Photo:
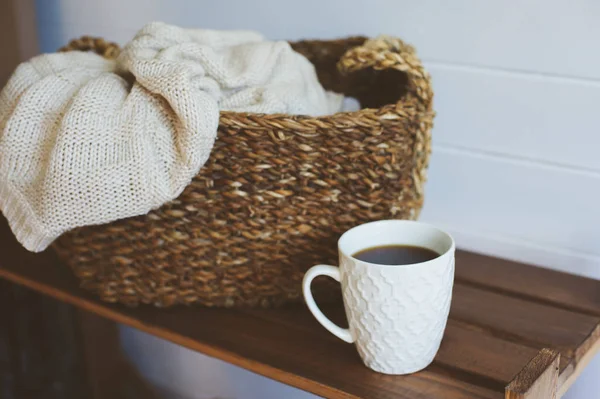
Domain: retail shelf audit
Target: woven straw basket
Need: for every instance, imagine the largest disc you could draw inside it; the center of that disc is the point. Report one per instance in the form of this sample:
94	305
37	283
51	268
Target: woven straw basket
277	191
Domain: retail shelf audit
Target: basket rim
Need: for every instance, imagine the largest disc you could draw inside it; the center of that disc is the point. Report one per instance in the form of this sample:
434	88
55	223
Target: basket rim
381	53
305	123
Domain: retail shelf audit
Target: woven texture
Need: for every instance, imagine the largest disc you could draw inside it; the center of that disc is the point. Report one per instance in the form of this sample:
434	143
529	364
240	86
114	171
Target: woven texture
276	192
85	140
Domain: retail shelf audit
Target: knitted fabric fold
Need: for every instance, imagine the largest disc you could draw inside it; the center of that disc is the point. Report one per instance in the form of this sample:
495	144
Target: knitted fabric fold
82	142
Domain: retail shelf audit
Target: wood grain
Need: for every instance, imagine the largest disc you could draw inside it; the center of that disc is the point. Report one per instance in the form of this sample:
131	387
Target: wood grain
531	323
537	380
285	353
480	354
473	355
289	355
531	283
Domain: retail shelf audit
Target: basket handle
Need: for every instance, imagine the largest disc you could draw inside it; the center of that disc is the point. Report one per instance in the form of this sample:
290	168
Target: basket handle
98	45
386	52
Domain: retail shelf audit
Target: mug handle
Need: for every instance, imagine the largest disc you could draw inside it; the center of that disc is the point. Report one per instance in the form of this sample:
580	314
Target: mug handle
333	272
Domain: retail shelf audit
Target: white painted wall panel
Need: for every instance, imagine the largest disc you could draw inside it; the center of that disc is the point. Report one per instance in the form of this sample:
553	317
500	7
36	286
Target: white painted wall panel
548	37
551	120
548	205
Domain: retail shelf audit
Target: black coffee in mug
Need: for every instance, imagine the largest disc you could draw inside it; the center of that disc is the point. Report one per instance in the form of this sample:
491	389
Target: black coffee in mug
396	255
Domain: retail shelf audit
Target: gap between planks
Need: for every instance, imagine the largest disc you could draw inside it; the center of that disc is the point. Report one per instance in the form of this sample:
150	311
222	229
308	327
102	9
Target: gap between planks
462	371
461	375
589	343
473	307
528	323
566	355
526	297
536	284
272	371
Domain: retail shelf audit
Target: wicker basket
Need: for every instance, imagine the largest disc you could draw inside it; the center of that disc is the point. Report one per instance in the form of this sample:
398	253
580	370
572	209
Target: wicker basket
277	191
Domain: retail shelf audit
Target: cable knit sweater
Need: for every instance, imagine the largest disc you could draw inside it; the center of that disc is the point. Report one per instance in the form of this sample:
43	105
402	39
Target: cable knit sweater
81	142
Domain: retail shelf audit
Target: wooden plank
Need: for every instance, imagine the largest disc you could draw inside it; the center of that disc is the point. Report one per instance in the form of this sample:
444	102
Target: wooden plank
289	346
536	324
489	358
288	355
471	355
538	380
284	353
554	288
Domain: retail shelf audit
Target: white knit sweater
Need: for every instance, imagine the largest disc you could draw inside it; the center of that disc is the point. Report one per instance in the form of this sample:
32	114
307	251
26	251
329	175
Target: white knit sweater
80	144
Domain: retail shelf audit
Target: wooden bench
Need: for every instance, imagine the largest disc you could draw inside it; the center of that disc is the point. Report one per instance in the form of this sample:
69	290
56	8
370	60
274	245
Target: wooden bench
515	331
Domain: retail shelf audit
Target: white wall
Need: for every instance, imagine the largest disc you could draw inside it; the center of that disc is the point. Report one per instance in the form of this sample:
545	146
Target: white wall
515	170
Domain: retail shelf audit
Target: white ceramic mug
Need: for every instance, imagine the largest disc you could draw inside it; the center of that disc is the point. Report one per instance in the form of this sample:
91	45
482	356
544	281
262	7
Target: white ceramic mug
396	314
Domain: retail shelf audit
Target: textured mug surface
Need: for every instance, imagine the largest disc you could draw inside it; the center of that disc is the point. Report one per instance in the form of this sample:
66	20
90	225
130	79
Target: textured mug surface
396	314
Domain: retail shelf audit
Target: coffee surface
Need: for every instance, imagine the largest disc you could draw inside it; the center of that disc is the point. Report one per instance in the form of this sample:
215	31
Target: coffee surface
396	255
